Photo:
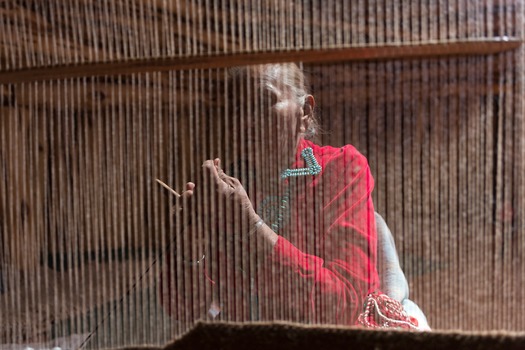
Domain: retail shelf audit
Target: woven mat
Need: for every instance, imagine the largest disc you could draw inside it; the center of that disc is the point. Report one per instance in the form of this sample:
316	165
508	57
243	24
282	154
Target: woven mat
277	336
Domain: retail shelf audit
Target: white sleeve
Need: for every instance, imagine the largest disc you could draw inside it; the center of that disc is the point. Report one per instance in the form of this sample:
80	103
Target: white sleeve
393	280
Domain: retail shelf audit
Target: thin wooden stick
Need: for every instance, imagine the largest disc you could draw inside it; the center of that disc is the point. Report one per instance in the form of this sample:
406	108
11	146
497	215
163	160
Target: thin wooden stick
168	188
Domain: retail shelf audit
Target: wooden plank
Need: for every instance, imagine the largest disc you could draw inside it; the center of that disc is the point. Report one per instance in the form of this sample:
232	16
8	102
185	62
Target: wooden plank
330	55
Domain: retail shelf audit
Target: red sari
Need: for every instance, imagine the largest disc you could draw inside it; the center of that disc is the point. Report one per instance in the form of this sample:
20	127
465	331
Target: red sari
328	259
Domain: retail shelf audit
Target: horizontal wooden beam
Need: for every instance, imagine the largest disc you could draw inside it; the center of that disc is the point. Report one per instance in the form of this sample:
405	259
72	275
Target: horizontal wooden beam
367	52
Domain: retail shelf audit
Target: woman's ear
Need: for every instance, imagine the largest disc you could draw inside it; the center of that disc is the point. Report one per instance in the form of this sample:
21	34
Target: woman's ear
309	105
308	112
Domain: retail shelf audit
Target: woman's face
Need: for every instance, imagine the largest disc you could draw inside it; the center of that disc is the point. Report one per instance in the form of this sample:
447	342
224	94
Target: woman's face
274	124
266	119
284	115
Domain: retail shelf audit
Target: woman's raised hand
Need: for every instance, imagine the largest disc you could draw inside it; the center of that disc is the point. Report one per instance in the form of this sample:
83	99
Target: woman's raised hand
231	195
218	198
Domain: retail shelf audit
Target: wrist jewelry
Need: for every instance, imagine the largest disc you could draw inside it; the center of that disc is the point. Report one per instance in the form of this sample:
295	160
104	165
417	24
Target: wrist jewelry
256	226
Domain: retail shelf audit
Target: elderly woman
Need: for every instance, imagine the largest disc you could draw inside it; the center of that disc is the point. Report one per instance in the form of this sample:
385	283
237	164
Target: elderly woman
291	231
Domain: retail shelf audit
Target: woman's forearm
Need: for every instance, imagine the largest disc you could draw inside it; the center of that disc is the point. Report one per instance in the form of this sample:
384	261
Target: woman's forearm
267	236
263	232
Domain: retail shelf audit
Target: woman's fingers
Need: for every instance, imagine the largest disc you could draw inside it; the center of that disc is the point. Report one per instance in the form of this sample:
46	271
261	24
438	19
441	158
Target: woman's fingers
190	186
228	180
220	172
211	170
216	174
181	200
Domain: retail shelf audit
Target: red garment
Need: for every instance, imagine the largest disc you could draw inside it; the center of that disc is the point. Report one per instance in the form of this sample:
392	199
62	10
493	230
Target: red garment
324	263
329	257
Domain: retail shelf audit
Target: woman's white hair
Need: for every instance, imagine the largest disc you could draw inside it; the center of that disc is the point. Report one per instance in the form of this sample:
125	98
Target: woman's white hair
290	76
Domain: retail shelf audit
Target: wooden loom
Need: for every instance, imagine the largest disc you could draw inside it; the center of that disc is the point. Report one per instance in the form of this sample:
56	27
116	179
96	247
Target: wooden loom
95	98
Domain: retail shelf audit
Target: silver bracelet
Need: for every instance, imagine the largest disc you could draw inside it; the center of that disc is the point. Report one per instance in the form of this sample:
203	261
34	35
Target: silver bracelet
256	226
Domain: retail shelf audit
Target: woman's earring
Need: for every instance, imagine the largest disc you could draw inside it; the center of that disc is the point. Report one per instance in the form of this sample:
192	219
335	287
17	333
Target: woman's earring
302	129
